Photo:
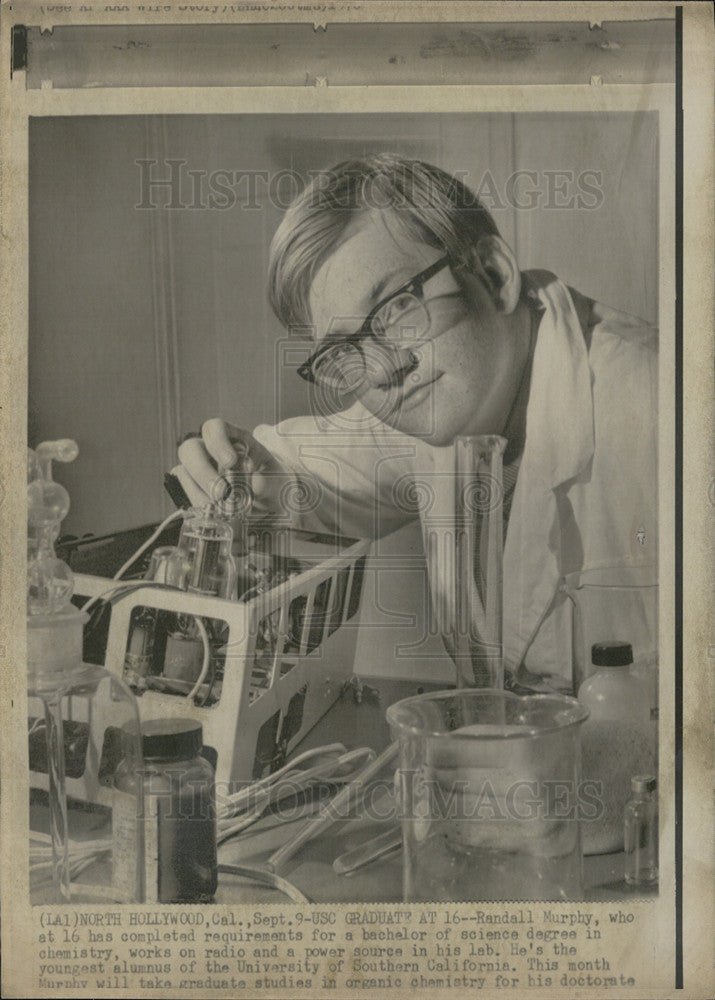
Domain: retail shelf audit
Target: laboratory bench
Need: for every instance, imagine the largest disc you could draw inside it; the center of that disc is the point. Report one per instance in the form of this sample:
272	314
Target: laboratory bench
358	719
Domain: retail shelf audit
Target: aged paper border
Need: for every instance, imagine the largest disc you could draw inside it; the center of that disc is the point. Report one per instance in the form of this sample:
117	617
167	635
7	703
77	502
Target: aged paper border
699	493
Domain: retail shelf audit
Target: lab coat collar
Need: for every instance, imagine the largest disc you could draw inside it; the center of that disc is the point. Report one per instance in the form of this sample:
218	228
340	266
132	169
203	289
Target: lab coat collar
559	446
559	422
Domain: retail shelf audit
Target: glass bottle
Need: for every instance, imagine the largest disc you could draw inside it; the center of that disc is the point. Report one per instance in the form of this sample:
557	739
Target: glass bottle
640	833
616	741
178	825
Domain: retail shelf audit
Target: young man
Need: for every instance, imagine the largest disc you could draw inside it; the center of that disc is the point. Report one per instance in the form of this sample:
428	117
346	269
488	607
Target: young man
427	330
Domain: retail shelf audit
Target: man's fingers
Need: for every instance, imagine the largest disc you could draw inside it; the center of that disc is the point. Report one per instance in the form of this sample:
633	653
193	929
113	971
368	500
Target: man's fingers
259	458
223	446
194	492
226	444
195	459
219	438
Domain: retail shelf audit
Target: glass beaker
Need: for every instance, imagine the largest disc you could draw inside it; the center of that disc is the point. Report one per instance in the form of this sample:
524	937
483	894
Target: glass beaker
490	796
463	542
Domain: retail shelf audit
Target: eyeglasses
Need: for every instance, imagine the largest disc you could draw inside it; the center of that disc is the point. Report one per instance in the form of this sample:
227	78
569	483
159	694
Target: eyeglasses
339	363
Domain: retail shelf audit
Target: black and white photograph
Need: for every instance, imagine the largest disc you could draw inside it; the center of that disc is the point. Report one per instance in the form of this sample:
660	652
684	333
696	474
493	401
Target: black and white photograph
354	510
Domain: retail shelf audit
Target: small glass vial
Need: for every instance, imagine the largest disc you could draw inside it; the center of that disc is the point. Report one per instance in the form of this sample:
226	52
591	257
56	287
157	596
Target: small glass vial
641	832
178	822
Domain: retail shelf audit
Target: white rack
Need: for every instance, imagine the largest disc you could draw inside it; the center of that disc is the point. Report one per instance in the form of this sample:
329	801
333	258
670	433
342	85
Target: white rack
289	653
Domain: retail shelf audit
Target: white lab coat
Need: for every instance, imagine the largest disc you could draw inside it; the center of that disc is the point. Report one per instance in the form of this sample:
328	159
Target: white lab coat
586	494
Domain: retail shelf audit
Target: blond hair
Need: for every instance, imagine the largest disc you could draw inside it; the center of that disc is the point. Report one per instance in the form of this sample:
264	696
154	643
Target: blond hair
430	205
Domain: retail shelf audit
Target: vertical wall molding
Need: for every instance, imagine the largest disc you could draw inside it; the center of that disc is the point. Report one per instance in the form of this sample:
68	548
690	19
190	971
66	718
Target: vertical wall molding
166	348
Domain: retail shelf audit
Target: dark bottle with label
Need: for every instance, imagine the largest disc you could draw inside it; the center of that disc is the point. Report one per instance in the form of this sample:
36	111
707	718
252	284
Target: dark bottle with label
178	825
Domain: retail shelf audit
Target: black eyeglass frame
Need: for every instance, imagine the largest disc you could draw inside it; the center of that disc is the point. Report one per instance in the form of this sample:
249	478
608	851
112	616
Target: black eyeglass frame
414	287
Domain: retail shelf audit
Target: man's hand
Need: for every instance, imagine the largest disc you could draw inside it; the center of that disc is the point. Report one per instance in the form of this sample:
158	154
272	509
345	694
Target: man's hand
222	446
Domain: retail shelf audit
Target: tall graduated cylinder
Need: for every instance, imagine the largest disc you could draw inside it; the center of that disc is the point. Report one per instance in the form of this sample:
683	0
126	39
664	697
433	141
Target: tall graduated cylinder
462	526
490	796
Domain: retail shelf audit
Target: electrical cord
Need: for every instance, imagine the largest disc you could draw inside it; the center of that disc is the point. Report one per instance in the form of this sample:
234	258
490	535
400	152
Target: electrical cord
116	592
206	660
150	541
132	559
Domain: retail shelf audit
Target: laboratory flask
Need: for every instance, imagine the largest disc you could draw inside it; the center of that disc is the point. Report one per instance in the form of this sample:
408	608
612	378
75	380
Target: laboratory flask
74	711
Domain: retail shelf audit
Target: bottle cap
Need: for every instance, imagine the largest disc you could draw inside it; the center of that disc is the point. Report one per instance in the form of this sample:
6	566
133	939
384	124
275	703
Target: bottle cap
167	738
642	783
611	654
